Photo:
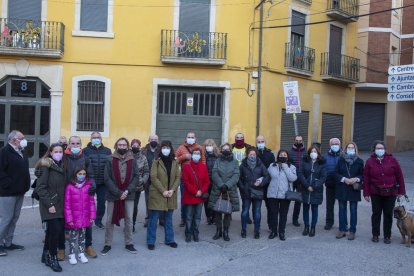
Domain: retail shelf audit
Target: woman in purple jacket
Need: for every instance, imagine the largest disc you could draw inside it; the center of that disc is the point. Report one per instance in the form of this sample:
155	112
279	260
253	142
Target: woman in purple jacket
383	182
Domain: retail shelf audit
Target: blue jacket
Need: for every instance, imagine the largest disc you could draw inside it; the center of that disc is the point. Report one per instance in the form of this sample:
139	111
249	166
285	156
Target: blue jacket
343	191
331	159
312	175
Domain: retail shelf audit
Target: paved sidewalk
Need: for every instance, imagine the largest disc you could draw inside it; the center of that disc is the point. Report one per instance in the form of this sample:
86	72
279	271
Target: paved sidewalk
298	255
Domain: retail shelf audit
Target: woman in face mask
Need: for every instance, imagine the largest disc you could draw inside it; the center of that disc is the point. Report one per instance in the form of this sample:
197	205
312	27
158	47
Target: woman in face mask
165	180
383	182
282	175
254	177
197	182
211	152
50	188
143	175
349	176
312	176
225	176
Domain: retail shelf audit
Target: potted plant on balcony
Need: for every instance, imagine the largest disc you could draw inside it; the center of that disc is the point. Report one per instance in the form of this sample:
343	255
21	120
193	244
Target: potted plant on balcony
30	36
195	43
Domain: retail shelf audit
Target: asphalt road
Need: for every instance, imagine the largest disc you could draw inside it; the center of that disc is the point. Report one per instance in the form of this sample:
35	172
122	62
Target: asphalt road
298	255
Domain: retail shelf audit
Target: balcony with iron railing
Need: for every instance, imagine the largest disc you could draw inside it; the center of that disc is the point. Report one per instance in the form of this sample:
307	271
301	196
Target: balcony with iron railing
20	37
207	48
343	10
299	59
339	68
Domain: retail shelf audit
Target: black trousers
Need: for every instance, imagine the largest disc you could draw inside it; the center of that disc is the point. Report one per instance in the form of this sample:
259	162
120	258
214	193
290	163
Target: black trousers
278	210
296	208
220	221
54	232
330	205
382	205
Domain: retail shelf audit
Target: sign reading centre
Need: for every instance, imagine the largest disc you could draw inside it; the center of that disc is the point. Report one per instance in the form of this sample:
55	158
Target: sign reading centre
401	69
292	101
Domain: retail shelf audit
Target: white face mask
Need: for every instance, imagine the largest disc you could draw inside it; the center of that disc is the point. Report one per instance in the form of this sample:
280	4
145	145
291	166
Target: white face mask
313	155
165	152
209	148
190	141
335	148
350	151
23	143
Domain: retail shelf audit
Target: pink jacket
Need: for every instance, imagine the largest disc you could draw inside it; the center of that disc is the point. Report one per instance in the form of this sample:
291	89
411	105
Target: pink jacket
79	206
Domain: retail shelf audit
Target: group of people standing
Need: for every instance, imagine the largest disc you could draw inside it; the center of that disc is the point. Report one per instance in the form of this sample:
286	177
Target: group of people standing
68	177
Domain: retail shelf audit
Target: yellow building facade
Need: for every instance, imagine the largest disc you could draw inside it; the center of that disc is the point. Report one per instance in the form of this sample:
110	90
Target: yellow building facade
142	69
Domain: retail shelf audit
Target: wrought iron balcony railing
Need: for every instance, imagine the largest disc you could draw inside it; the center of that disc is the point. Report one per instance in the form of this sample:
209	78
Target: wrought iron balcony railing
31	38
343	10
339	68
299	59
193	47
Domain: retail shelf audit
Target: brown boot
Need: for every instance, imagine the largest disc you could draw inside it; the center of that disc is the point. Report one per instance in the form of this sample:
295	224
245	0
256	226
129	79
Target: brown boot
90	252
351	236
61	255
340	235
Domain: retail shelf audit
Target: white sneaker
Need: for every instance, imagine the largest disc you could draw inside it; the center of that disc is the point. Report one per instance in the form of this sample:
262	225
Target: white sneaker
83	258
72	259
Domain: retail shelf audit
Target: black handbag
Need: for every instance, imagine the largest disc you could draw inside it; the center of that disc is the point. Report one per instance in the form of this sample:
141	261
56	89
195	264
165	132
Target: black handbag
223	205
293	196
256	193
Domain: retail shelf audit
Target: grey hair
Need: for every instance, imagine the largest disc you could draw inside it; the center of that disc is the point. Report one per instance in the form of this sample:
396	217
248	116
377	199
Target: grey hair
74	136
12	135
95	132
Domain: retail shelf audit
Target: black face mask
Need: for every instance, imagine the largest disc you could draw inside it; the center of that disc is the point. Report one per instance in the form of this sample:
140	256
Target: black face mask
122	151
226	153
298	145
64	146
282	159
135	150
153	144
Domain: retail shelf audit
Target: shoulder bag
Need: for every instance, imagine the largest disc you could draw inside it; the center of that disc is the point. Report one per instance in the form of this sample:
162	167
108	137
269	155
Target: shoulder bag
223	205
204	195
292	195
357	186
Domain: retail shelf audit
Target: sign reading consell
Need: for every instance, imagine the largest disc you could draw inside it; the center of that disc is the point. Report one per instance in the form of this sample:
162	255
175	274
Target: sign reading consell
292	100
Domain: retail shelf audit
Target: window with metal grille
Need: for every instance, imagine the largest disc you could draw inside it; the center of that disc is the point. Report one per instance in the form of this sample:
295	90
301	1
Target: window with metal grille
91	103
207	104
172	102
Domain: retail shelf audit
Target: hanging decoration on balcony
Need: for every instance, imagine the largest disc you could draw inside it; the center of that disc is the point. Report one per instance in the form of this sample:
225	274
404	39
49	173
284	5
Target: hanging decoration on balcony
185	44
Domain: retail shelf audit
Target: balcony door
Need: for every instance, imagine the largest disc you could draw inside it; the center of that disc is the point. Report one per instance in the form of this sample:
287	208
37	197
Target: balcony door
335	50
194	28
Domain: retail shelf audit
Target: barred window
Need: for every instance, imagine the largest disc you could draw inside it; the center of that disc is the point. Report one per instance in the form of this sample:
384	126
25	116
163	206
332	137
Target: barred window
91	106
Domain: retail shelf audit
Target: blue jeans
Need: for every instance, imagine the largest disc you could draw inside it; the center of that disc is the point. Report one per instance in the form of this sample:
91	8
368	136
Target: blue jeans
192	222
183	217
257	214
100	202
152	226
306	208
343	220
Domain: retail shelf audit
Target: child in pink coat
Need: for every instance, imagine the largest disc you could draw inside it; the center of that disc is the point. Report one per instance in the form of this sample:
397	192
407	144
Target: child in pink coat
80	212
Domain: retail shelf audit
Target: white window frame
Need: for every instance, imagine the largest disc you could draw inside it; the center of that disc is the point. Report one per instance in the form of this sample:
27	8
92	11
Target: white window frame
109	30
5	9
74	114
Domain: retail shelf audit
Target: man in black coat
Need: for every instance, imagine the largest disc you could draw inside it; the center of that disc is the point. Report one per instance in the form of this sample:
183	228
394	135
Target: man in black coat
14	183
98	154
267	157
296	154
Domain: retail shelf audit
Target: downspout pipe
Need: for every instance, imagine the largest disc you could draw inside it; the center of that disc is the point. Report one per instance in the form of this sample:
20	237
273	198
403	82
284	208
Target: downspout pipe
259	70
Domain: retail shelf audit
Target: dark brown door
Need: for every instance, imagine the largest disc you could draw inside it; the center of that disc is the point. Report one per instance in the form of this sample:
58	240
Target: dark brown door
335	46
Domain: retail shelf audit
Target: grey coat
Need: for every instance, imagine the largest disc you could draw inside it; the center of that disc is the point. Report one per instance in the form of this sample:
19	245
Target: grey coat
225	172
281	176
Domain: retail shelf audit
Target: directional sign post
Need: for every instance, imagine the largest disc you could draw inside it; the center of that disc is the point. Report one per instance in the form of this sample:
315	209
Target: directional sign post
401	83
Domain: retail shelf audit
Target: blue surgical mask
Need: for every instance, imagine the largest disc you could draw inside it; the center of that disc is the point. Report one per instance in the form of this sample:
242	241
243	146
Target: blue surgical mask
80	178
261	146
196	157
96	141
350	151
75	150
335	148
379	152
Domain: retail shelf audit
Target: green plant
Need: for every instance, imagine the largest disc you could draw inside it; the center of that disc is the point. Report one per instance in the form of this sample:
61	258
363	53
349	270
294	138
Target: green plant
195	43
30	32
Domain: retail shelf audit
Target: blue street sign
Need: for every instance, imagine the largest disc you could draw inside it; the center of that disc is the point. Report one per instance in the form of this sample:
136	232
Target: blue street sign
401	97
403	87
394	79
401	69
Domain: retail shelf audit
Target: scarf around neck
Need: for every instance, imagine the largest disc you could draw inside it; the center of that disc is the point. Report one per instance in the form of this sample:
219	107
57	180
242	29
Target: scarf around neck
350	159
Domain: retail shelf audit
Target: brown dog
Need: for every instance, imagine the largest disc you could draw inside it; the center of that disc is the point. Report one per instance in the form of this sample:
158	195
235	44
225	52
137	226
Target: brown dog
405	223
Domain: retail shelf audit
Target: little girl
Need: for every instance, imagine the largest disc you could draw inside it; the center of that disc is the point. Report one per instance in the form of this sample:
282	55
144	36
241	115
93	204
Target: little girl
80	212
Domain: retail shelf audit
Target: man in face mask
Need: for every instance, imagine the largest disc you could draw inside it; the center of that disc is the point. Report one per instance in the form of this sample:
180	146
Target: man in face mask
296	154
331	157
98	154
183	155
239	147
14	183
75	158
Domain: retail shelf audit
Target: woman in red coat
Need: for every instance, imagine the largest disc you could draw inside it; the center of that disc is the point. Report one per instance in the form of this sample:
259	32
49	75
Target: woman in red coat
383	182
195	177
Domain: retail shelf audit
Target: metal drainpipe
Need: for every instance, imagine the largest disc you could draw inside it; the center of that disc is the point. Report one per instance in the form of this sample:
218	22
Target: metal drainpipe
259	78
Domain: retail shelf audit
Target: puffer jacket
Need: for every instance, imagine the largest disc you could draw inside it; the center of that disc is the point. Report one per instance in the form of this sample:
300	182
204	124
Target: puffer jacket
331	161
281	176
249	176
97	157
266	156
51	189
225	172
312	175
80	207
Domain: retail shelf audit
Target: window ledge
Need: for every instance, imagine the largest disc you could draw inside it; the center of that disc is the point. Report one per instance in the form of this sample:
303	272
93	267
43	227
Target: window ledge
92	34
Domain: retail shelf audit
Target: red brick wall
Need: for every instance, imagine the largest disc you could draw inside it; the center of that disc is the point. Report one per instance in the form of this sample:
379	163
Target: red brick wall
408	18
406	51
381	19
378	43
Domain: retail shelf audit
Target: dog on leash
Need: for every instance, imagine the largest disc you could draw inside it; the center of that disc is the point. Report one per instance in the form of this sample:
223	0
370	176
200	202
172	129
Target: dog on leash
405	224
